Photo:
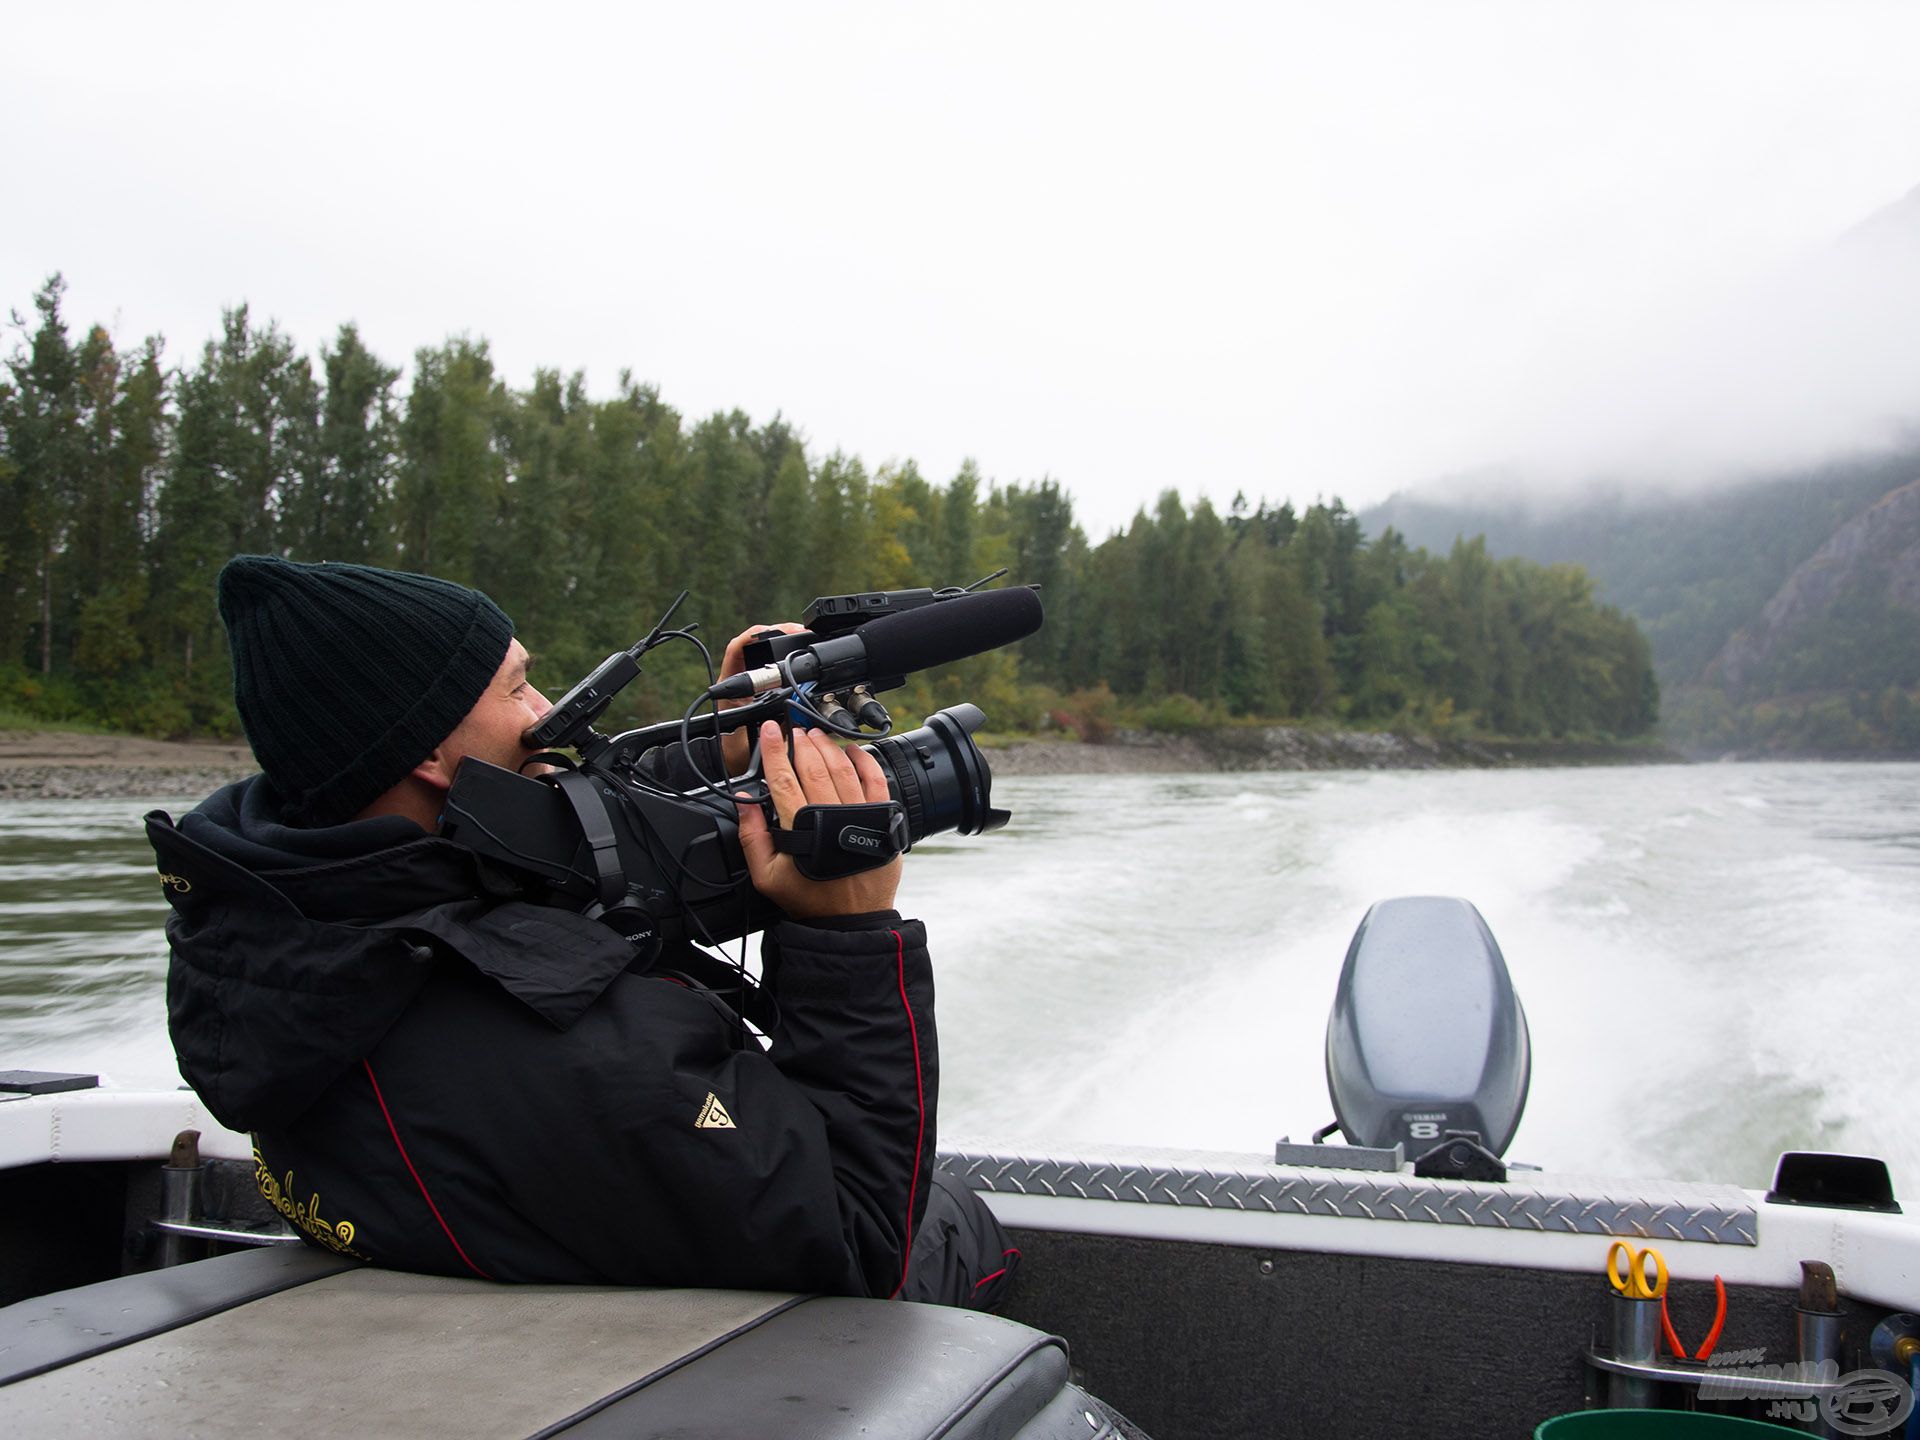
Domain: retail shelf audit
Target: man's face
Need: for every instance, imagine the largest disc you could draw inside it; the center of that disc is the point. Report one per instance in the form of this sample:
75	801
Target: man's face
492	729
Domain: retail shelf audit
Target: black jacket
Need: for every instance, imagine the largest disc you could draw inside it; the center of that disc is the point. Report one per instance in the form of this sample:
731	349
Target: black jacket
442	1079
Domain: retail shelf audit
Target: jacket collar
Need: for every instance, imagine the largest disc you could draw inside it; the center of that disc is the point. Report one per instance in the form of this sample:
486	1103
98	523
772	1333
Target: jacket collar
386	873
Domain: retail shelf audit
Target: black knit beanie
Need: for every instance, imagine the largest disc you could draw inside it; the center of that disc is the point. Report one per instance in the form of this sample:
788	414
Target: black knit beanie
347	677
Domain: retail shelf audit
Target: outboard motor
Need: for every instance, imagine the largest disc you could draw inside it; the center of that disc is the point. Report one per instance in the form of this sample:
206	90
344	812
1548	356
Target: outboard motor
1427	1036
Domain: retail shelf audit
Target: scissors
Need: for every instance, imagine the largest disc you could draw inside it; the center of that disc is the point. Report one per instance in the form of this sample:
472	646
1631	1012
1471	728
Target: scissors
1629	1274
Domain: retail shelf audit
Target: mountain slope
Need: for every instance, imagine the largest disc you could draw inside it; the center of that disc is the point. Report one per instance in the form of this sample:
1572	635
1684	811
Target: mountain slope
1782	614
1847	618
1693	570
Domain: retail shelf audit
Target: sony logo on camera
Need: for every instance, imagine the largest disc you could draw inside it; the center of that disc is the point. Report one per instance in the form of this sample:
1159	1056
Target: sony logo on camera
869	840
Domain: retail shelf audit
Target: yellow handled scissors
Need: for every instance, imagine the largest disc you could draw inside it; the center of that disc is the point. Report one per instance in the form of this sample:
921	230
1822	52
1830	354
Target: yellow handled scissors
1628	1273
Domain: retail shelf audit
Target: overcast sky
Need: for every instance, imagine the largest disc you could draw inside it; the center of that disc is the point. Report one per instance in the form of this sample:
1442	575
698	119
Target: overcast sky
1290	249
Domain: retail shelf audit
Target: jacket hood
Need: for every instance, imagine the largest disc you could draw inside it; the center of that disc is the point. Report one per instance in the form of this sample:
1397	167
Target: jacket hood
294	950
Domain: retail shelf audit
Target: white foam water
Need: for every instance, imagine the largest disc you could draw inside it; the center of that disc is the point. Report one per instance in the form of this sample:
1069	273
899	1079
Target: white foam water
1716	961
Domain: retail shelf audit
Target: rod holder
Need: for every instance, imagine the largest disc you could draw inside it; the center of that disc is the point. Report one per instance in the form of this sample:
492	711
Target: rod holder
182	1183
1636	1341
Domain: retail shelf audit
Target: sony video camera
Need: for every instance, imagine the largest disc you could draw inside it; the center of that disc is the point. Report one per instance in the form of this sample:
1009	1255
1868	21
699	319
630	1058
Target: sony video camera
642	830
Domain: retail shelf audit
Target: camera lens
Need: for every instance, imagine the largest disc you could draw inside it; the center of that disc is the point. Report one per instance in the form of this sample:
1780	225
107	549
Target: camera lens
939	775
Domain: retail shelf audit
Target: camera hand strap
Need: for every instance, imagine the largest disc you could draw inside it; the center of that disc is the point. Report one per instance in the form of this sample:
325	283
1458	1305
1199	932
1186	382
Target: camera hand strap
828	841
583	794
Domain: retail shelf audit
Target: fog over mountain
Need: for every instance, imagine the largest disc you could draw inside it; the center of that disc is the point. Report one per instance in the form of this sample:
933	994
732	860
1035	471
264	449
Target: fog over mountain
1817	361
1746	485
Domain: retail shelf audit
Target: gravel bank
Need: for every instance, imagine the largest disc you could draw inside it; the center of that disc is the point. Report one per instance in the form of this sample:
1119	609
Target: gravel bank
46	764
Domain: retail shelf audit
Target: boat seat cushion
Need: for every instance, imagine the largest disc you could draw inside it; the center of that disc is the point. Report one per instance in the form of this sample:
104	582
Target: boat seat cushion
58	1329
291	1339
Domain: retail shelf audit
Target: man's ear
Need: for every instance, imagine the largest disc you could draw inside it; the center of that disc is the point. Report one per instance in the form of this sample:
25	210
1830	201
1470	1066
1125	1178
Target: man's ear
437	769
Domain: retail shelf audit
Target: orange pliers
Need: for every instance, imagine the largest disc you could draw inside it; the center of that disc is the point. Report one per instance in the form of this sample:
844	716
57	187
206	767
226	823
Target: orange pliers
1713	1330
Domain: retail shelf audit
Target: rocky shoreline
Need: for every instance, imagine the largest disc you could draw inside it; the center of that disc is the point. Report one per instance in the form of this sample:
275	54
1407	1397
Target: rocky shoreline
86	782
56	765
52	764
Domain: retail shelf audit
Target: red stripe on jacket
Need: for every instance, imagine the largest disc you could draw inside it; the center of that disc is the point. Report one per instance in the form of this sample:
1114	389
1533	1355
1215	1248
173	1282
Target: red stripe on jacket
408	1159
920	1092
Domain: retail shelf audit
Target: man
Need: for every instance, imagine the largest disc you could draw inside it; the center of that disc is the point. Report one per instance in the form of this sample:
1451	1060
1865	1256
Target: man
442	1074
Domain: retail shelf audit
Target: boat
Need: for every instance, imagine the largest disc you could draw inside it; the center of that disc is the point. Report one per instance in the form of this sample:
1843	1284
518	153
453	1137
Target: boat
1411	1281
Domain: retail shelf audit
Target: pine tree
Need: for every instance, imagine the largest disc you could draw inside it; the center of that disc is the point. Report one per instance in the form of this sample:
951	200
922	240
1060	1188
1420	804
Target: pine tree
104	575
789	544
841	536
46	445
1047	550
194	534
344	516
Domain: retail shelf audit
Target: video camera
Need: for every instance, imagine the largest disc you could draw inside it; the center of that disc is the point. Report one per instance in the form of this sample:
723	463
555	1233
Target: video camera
642	831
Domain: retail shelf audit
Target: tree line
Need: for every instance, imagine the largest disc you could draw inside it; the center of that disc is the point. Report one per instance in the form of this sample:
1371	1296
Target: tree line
1695	570
127	483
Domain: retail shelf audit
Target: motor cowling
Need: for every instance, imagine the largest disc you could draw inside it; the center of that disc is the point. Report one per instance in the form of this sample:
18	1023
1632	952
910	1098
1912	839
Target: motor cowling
1427	1034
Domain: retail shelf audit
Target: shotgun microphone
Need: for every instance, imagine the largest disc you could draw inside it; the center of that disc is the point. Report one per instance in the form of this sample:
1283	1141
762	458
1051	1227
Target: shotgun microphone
897	645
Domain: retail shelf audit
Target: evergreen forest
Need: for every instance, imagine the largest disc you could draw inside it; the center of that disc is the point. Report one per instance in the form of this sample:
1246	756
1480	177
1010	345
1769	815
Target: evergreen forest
1697	571
126	482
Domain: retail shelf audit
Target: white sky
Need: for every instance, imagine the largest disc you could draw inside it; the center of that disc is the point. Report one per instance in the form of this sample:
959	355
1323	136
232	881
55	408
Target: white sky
1295	249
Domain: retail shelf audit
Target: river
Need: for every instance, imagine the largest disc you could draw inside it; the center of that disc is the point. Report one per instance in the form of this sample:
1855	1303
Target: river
1714	960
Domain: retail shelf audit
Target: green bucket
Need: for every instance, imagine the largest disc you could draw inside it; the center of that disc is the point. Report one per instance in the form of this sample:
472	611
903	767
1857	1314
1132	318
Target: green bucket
1655	1425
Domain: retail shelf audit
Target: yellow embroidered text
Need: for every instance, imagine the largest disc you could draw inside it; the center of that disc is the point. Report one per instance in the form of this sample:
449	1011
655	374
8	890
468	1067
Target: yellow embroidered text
336	1235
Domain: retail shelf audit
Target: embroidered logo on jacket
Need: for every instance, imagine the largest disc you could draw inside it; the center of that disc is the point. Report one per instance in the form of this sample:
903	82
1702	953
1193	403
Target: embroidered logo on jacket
336	1235
714	1116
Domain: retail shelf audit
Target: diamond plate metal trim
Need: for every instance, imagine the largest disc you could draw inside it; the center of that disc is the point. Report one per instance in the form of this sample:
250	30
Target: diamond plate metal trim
1713	1214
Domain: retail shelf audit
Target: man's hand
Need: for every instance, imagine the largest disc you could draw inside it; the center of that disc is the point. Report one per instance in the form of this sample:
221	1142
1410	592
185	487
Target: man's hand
821	773
734	749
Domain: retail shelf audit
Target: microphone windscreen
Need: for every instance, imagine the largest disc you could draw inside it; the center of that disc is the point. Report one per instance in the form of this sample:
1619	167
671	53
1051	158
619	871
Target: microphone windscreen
950	630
